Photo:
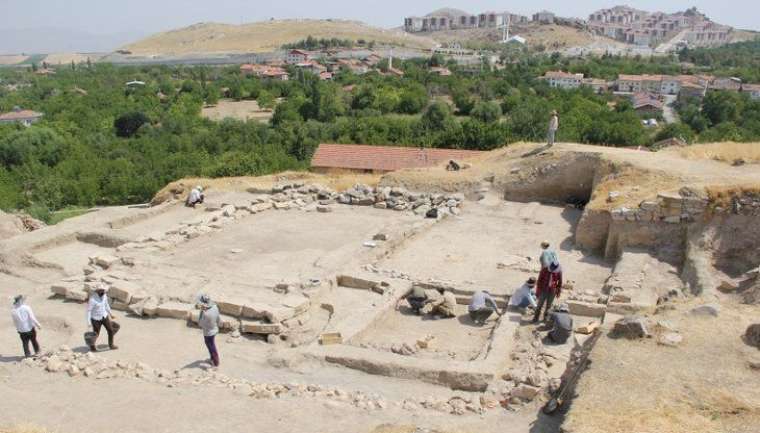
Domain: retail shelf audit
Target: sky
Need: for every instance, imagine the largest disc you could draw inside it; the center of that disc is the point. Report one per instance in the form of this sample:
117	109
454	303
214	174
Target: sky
134	18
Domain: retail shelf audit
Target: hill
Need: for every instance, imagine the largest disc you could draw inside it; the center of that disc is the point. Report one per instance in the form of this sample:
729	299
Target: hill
266	36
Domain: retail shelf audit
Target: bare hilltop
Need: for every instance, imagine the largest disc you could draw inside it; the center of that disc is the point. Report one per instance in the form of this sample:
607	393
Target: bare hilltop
266	36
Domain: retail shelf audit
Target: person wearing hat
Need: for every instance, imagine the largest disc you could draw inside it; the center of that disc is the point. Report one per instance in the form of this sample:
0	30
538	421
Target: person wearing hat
553	127
562	325
99	315
209	321
481	307
26	325
195	197
523	297
549	289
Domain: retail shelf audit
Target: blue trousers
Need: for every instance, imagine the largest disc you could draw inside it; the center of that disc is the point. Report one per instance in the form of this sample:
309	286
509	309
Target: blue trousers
211	346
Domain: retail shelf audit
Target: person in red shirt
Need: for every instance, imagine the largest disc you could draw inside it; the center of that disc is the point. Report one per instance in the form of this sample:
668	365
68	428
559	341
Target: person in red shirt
549	289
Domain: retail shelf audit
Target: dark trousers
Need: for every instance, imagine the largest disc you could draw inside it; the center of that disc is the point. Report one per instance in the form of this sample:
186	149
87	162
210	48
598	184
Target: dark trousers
545	298
26	338
106	323
416	303
211	346
481	315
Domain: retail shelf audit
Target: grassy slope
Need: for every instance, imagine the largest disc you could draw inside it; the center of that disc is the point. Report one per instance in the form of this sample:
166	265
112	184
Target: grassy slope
266	36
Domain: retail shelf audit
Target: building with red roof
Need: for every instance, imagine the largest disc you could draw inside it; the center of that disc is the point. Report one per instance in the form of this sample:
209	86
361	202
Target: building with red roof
381	159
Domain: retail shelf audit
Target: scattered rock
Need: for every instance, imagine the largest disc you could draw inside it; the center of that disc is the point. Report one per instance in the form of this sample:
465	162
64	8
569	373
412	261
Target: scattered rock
670	339
706	310
752	335
631	327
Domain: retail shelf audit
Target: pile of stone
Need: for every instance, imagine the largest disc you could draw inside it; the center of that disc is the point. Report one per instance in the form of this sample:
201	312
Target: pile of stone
400	199
536	372
91	366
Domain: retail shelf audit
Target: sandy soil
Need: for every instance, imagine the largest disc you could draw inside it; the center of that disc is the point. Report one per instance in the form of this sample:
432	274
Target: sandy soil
67	58
266	36
703	385
11	59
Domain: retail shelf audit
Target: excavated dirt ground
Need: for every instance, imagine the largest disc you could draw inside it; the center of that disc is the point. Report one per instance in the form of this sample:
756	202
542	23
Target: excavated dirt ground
307	270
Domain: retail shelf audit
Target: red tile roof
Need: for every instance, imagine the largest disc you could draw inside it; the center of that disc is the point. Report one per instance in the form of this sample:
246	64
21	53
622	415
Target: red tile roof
382	158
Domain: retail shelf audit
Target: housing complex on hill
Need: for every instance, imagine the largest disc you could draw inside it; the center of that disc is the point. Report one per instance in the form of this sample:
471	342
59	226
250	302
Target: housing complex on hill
639	27
449	19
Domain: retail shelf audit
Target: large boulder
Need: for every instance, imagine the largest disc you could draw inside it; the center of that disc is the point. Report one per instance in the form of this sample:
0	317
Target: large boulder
631	327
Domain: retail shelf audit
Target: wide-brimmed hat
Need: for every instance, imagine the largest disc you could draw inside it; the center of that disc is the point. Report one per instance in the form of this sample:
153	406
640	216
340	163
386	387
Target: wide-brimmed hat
545	244
531	281
101	287
199	188
563	308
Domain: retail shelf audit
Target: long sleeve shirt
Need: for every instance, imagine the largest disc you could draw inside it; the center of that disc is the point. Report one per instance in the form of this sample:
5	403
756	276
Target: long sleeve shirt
98	308
521	295
480	299
547	257
23	318
209	321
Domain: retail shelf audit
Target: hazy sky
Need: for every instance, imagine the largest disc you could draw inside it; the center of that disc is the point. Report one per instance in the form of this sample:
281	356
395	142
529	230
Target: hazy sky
146	16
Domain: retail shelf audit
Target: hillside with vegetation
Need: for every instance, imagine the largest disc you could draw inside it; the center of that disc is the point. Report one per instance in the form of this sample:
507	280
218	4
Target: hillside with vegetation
267	36
102	142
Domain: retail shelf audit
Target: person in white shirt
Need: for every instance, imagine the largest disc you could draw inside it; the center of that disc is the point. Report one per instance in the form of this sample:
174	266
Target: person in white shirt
99	315
524	297
209	321
26	325
195	197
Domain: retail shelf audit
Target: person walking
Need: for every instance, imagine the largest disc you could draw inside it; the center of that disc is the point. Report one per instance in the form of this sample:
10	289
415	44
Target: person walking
99	315
553	127
209	322
549	289
26	325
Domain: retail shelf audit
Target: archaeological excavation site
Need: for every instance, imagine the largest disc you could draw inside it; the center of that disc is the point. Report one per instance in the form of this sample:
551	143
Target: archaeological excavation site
311	273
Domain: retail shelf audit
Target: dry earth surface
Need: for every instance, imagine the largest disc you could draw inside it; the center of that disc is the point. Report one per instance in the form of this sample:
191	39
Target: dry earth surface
309	269
266	36
240	110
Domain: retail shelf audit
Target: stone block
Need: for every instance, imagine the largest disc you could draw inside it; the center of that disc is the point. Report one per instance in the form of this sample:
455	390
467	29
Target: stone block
587	328
106	261
330	338
119	306
230	308
706	310
262	328
60	289
279	314
77	296
174	310
260	207
586	309
356	282
525	392
631	327
324	209
122	291
255	310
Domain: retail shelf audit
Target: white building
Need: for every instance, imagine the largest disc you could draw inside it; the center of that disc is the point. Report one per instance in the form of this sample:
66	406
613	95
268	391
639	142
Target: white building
563	80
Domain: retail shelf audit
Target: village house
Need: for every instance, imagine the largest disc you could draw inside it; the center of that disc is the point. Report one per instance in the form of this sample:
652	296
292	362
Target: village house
692	90
726	83
24	117
646	104
336	158
544	17
597	84
753	90
295	57
441	72
563	80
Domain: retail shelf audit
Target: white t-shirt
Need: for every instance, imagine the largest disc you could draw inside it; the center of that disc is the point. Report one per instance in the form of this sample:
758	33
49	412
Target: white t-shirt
524	292
98	308
23	318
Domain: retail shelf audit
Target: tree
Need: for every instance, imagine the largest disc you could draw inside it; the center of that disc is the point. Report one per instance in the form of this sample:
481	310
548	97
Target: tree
463	101
486	112
679	130
266	100
437	116
127	124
